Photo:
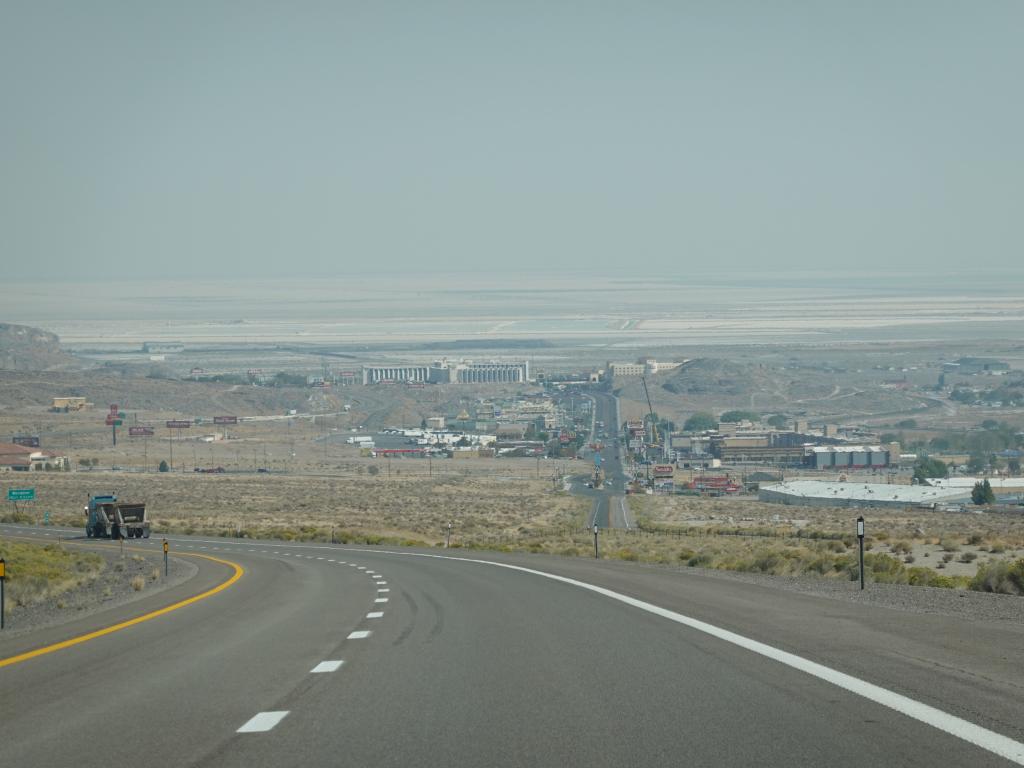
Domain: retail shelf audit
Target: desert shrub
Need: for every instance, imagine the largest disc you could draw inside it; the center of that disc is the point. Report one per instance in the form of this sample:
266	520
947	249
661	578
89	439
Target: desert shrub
1002	577
974	539
968	557
700	560
138	583
950	545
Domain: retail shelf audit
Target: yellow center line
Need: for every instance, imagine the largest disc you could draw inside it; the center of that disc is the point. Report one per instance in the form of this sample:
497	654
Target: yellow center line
239	571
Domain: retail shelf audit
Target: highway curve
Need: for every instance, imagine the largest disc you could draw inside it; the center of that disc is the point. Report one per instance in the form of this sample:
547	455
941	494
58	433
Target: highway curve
480	664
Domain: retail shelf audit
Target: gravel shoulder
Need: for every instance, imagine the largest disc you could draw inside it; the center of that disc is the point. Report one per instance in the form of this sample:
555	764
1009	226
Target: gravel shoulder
113	587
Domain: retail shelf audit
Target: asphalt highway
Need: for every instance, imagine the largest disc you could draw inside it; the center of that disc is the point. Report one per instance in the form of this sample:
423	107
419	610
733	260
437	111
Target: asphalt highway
335	655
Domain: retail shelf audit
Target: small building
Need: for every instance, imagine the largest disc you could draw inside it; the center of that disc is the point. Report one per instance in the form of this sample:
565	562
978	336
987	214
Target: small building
19	458
69	404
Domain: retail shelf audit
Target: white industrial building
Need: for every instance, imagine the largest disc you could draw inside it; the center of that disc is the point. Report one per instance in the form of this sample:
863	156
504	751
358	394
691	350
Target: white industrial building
819	493
443	372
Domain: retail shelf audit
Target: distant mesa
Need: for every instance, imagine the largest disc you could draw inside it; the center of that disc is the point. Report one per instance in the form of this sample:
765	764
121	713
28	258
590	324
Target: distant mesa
24	348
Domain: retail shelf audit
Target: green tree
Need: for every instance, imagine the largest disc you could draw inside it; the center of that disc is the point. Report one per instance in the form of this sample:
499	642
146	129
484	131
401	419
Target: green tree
888	437
164	467
778	421
982	493
928	467
1013	466
976	463
907	424
699	422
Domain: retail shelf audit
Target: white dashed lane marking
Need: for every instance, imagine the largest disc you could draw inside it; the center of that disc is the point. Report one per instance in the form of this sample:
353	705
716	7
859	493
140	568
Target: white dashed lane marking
374	614
359	634
381	600
383	590
382	582
264	721
327	666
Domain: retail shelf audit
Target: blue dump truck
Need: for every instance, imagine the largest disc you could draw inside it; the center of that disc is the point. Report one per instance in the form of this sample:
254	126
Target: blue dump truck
107	518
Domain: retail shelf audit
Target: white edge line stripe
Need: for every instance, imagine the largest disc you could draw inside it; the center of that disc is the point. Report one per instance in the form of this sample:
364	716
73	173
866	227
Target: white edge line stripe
264	721
994	742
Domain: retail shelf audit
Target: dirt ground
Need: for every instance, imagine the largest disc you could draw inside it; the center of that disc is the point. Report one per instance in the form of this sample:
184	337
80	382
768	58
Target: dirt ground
484	509
952	543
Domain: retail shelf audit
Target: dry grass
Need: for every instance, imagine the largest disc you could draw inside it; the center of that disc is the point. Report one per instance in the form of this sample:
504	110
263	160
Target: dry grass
485	511
955	545
37	572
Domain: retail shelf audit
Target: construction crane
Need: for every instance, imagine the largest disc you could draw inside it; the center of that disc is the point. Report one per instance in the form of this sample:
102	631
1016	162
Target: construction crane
654	426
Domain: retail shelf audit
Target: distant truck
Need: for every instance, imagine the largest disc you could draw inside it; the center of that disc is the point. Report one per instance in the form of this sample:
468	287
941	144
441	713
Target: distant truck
107	518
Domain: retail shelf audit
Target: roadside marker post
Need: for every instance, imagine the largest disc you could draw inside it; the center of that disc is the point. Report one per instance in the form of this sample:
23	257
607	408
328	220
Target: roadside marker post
448	536
860	539
597	554
166	547
3	578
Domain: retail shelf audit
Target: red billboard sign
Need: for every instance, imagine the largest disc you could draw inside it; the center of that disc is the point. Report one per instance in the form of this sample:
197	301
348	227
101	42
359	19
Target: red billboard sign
178	424
140	431
225	419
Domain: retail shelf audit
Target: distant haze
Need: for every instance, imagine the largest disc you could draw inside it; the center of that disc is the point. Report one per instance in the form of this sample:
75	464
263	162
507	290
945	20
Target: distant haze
190	139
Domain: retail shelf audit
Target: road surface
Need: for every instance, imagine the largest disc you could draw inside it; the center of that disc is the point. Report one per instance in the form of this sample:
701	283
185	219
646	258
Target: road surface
335	655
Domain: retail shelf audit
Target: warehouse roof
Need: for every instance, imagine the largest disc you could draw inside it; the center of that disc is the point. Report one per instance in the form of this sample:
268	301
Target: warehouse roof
883	492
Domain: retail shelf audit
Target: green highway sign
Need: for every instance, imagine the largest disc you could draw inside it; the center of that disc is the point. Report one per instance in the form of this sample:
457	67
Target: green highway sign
21	494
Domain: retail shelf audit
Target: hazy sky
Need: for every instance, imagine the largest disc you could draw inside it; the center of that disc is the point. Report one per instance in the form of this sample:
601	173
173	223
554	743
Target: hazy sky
185	139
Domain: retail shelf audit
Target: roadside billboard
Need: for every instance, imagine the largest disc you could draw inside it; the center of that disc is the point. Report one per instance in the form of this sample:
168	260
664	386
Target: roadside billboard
178	424
140	431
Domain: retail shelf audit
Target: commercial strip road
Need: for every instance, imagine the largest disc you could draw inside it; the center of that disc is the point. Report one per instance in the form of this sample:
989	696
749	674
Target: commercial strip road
334	655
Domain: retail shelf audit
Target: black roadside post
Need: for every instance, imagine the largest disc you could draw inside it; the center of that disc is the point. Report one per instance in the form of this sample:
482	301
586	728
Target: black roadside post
448	536
166	547
3	578
597	554
860	538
